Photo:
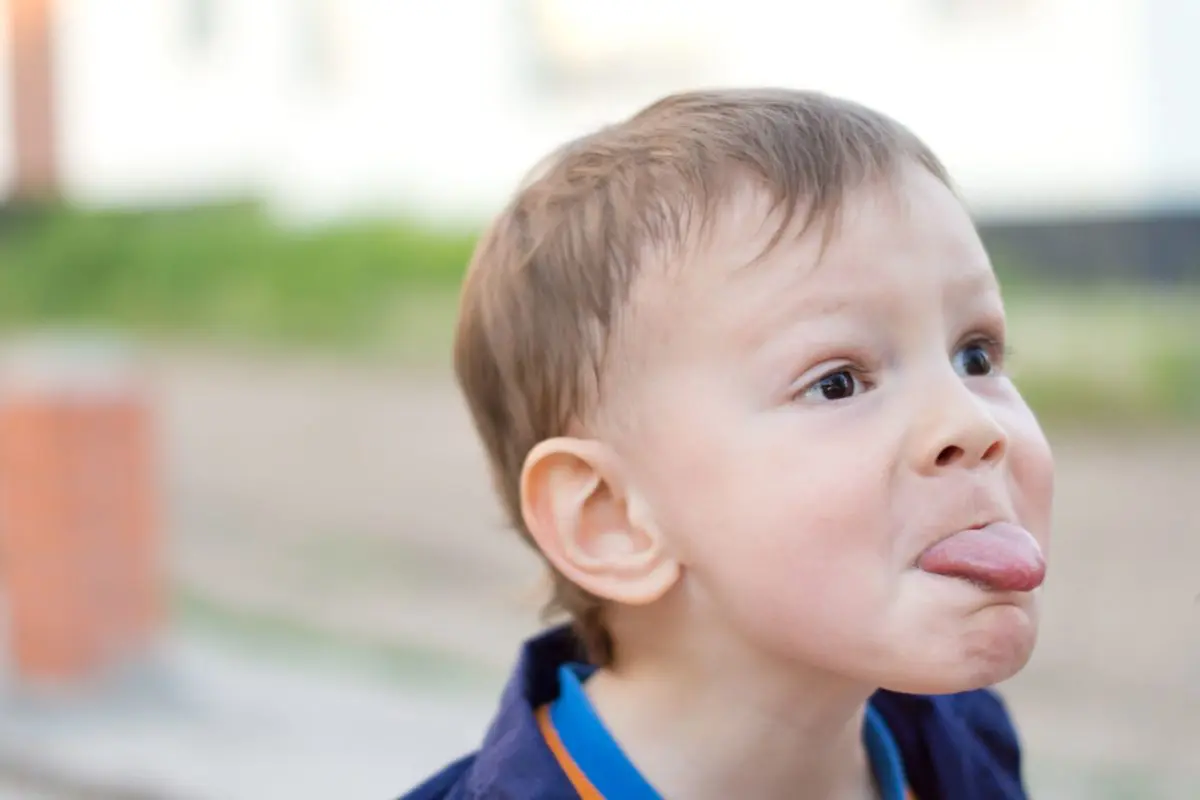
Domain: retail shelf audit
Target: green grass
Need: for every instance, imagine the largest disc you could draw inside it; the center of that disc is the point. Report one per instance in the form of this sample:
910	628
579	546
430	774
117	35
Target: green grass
1109	356
223	273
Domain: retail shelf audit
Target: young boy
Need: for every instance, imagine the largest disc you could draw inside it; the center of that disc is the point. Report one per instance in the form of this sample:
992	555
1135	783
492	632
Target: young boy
738	363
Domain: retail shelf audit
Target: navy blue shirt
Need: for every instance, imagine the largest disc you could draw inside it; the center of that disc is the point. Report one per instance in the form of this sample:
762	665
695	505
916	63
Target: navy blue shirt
952	747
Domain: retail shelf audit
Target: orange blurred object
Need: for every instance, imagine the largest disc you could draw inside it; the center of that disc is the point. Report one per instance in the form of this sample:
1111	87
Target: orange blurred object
78	518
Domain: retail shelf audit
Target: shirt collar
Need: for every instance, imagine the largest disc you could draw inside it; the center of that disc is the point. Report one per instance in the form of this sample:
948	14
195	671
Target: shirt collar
601	759
589	744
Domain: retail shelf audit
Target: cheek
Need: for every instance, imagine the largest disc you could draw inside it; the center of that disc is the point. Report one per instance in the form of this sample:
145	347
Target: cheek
1032	475
779	536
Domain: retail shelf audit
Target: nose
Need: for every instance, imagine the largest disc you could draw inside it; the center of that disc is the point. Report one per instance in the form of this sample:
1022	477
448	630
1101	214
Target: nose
957	431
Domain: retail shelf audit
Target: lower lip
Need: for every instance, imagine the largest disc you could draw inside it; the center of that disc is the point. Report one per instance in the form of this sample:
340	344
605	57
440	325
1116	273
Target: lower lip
996	596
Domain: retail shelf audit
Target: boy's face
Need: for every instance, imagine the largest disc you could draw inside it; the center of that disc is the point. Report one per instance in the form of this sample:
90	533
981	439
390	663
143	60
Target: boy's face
804	431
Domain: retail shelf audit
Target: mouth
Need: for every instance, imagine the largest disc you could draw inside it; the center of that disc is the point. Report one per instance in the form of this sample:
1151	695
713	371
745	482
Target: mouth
998	556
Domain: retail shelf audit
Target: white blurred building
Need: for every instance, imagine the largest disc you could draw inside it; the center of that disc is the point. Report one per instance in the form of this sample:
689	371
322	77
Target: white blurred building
327	107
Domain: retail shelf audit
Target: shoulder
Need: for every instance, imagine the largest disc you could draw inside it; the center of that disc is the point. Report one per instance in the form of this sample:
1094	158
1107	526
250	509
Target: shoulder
445	785
513	761
960	745
481	776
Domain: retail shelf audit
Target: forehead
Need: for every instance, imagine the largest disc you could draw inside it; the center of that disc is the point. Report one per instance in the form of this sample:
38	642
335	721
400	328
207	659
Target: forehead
905	237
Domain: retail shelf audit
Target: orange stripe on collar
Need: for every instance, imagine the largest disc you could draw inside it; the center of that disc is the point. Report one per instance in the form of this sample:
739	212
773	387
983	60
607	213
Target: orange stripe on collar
583	787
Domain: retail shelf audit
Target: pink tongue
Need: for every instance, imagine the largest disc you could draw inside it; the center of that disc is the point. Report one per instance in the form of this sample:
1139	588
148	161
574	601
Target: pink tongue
1000	556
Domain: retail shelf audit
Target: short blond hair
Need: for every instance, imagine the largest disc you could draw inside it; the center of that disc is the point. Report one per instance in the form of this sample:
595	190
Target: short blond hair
549	277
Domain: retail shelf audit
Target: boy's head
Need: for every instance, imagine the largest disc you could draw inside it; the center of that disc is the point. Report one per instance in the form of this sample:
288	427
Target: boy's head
737	363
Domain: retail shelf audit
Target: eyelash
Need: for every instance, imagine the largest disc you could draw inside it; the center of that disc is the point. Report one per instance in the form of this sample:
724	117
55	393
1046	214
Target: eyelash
998	350
998	353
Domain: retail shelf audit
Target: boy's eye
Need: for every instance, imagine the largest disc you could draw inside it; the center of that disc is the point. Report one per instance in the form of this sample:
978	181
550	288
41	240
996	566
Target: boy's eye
973	361
838	385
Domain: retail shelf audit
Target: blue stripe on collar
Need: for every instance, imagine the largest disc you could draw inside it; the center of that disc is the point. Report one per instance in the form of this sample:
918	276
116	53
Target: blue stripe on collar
884	756
591	746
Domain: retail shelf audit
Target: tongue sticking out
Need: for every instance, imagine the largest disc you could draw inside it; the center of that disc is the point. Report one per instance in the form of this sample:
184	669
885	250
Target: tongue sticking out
999	556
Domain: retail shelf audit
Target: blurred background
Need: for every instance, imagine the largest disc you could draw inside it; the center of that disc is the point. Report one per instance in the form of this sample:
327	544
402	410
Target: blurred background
248	547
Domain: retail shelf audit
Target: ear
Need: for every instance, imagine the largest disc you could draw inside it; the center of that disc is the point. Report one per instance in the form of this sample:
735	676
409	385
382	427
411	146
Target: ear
590	524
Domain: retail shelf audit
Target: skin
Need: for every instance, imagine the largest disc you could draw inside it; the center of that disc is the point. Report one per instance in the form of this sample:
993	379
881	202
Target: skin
796	431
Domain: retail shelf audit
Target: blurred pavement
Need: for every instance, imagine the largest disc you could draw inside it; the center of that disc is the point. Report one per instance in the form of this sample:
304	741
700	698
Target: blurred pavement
210	722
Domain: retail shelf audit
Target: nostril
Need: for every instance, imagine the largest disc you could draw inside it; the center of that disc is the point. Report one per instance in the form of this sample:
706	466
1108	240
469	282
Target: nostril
949	455
994	452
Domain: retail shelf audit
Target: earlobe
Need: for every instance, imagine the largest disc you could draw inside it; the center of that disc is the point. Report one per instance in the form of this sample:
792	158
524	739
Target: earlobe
591	525
659	570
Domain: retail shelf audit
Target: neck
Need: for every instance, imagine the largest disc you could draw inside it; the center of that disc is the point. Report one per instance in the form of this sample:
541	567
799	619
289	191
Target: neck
698	732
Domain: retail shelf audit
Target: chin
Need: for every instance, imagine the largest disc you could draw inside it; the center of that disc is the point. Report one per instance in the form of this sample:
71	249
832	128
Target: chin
996	646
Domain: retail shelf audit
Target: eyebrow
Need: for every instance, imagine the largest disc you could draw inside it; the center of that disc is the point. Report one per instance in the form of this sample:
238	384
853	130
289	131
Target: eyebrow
862	300
776	318
973	282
